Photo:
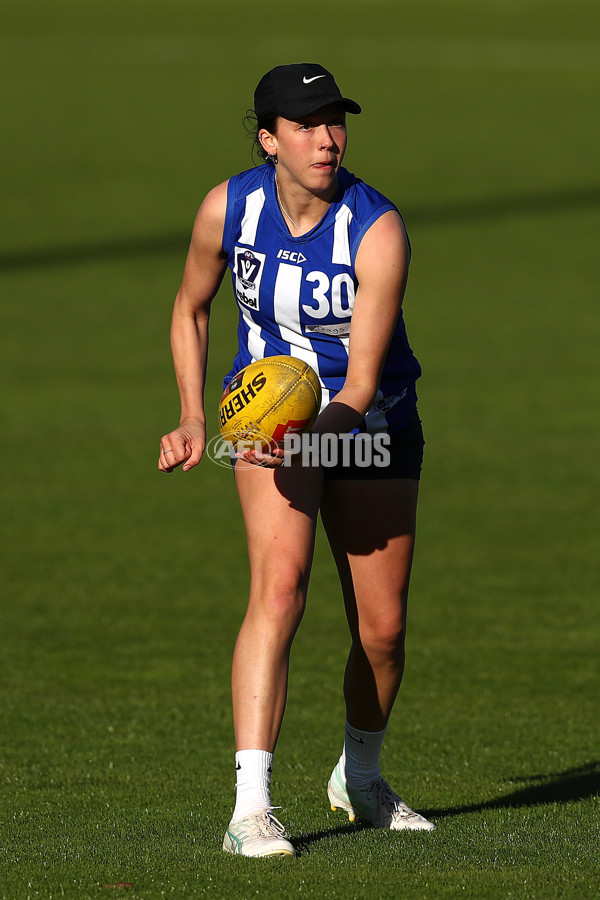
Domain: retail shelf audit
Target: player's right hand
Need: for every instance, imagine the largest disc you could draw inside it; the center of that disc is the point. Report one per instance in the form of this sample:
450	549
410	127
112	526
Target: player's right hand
184	444
268	459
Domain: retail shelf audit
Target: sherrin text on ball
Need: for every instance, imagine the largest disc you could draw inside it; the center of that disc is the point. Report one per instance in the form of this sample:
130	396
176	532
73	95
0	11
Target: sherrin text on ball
268	399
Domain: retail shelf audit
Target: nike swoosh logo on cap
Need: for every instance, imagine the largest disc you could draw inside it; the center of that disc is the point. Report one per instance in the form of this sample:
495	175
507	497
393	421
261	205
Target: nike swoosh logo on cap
314	78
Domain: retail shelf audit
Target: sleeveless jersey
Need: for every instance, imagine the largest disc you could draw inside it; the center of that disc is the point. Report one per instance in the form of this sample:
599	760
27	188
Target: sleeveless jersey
296	294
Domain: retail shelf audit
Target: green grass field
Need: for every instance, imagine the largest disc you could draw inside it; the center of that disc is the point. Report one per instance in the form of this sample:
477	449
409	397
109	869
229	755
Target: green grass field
122	590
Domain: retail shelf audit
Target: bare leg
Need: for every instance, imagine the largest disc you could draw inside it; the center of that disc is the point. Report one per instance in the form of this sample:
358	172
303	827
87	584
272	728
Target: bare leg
371	529
280	509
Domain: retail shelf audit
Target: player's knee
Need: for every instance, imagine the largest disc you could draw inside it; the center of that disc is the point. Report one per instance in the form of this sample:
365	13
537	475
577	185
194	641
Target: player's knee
282	602
384	638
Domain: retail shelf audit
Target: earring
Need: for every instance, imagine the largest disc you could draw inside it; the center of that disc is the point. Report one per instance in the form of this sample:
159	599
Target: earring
272	157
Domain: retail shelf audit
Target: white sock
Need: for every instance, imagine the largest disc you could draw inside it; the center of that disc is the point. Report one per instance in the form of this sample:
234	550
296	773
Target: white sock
360	758
253	782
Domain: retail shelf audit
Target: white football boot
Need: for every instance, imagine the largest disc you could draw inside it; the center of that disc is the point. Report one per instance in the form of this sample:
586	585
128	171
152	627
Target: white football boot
377	803
258	834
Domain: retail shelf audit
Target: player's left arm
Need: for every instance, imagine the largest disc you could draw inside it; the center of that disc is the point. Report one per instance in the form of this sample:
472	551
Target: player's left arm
382	271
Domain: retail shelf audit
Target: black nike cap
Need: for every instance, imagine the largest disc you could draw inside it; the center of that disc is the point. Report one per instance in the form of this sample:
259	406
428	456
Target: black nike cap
298	90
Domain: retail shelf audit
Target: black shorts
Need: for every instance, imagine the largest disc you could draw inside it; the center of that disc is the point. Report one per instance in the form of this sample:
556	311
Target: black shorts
398	455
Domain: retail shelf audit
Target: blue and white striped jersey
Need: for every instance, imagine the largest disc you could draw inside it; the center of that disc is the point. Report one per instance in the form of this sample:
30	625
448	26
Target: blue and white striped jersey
295	294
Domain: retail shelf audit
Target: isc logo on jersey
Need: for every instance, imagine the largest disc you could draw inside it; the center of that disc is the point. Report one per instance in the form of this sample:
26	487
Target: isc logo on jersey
293	256
248	268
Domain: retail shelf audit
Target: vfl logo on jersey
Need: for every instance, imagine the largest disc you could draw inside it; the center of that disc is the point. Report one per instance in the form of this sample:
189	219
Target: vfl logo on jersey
248	269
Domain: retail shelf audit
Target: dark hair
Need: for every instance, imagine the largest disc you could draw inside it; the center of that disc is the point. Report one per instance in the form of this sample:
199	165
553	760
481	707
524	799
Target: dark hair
253	126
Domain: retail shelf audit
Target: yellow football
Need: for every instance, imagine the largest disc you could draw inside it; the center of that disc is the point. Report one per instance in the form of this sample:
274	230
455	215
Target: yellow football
268	399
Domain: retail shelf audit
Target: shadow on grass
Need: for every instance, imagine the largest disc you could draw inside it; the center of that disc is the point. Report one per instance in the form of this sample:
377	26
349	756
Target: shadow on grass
530	203
96	251
303	842
556	787
549	201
